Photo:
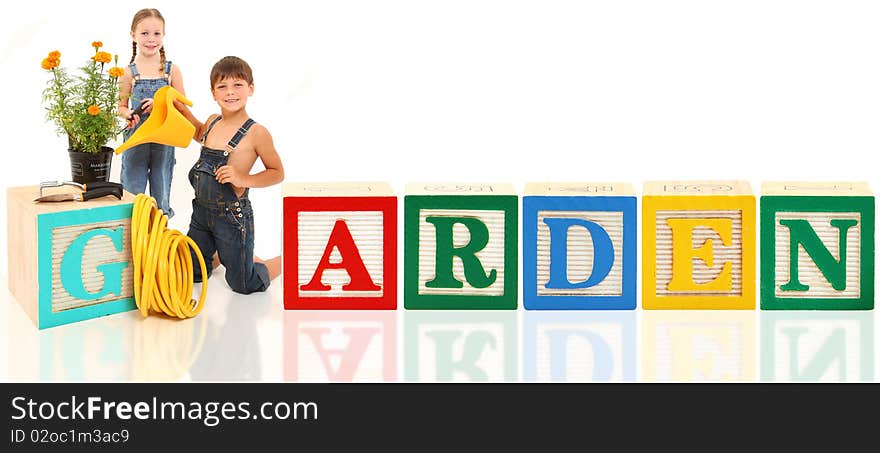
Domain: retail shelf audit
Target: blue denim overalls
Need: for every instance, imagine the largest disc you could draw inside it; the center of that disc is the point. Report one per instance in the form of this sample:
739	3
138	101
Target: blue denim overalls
148	161
223	222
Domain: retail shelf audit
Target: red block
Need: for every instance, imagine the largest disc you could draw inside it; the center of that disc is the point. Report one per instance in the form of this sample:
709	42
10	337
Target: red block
340	246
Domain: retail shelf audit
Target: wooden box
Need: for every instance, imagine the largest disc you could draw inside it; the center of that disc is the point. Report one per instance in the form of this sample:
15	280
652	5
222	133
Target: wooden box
69	261
340	246
460	246
817	246
698	249
579	246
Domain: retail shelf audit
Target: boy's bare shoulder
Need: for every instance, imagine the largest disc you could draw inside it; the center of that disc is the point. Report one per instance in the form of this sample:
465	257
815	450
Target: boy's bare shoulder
260	131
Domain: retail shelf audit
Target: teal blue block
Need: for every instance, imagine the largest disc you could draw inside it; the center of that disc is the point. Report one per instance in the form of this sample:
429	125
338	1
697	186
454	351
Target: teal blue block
112	272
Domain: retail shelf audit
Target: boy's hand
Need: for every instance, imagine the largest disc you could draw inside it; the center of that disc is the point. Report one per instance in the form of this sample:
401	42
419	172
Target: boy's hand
228	174
147	105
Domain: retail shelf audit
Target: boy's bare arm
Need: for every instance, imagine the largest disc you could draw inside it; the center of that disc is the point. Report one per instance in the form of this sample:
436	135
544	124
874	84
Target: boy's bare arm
187	113
265	149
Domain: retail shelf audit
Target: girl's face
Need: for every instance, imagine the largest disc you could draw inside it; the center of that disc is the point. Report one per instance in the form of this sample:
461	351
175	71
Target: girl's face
148	35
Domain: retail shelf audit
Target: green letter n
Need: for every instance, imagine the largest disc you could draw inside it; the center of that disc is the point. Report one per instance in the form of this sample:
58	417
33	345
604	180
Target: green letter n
800	232
473	268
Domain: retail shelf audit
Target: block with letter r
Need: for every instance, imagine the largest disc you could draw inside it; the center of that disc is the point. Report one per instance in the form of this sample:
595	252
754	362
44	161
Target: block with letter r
579	246
460	246
817	246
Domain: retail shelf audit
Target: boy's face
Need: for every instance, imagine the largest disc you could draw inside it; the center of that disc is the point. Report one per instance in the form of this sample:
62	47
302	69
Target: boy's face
231	93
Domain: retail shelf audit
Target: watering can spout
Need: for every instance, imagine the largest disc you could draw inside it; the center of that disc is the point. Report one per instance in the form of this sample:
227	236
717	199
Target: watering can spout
165	125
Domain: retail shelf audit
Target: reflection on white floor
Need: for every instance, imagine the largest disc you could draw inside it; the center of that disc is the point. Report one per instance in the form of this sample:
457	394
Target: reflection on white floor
698	345
340	346
460	346
252	338
817	346
577	346
233	339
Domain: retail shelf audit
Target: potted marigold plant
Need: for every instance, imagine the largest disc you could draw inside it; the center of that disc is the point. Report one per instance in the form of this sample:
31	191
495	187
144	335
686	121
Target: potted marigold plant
83	107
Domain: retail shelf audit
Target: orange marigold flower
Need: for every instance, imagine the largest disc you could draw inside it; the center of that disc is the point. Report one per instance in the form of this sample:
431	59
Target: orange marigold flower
54	55
94	110
97	44
47	64
102	57
116	71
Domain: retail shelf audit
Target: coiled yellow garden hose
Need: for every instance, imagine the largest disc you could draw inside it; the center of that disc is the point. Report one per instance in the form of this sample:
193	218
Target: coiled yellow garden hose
163	266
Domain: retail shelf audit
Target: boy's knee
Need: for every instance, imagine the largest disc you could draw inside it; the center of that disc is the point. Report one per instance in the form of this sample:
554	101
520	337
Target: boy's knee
240	283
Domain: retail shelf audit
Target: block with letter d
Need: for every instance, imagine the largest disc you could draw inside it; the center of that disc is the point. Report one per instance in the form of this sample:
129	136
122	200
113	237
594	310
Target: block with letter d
340	246
460	246
579	246
817	246
698	249
69	261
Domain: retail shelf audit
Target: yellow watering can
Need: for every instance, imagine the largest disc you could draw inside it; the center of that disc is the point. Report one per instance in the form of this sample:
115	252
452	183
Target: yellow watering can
165	125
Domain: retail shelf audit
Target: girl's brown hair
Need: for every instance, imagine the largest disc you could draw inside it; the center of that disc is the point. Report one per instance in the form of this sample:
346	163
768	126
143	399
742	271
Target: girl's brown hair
138	17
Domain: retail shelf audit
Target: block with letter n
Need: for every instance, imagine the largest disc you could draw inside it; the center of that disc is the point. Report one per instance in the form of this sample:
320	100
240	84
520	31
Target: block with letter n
69	261
460	246
698	249
340	246
579	246
817	246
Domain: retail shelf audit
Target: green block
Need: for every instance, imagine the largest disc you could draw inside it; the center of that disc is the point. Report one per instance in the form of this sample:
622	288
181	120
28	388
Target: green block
817	246
460	247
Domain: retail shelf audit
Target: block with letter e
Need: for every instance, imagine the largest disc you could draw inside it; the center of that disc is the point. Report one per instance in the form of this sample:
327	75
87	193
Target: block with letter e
69	261
817	246
698	249
340	246
460	246
579	246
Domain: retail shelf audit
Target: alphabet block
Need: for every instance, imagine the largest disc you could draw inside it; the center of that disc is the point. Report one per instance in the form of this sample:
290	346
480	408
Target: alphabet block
460	246
817	246
579	246
698	245
340	246
69	261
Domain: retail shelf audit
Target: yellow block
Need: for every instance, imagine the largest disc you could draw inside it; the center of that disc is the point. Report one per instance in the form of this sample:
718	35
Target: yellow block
698	249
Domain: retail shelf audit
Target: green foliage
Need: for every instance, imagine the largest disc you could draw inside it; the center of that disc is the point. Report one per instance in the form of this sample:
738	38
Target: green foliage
83	106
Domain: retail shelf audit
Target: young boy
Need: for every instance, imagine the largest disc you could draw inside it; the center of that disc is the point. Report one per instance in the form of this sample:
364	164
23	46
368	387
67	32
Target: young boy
223	219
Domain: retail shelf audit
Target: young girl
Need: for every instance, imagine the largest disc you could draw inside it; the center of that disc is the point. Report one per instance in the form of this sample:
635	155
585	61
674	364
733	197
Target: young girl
147	71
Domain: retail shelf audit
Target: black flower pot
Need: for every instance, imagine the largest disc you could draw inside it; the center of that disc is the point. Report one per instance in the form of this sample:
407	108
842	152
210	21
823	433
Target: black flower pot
91	167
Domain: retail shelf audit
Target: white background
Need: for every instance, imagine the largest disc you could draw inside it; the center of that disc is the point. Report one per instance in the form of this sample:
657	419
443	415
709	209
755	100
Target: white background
490	91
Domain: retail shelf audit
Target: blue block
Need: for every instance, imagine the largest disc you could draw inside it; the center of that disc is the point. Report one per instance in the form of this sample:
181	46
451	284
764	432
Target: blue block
579	252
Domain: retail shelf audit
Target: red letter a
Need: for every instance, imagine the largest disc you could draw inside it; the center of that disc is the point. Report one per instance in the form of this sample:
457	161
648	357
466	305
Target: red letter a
351	262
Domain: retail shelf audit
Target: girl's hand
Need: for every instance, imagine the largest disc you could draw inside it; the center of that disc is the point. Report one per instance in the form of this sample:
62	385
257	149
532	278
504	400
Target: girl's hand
228	174
133	120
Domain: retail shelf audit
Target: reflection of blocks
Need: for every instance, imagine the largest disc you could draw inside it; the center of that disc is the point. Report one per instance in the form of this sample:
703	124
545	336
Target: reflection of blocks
340	246
460	346
697	345
460	246
817	246
340	346
565	346
579	246
69	261
698	245
814	346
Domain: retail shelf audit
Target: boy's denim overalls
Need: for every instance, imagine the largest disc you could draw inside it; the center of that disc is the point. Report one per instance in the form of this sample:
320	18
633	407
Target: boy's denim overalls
148	160
223	222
